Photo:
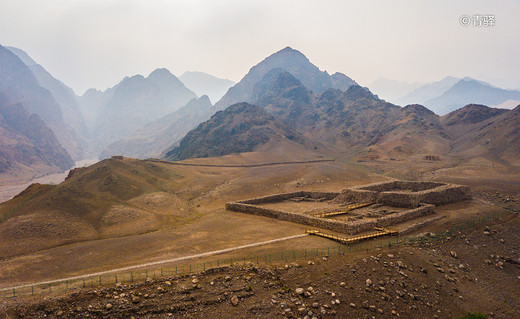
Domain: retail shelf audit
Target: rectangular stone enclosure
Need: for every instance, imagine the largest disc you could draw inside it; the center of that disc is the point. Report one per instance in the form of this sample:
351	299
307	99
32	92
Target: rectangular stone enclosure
406	193
419	197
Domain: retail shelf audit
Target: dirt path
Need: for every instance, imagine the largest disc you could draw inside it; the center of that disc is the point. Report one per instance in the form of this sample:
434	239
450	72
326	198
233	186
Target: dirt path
159	262
244	165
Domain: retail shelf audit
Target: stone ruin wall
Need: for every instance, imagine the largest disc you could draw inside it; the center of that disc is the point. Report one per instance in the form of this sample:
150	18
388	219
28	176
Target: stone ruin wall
334	225
422	192
400	185
276	198
350	227
406	215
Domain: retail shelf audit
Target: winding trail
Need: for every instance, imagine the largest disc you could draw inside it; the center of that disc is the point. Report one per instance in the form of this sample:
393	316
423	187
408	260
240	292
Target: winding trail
159	262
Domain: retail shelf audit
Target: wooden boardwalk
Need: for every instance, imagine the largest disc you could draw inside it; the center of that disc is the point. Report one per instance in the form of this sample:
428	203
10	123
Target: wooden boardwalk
345	210
348	241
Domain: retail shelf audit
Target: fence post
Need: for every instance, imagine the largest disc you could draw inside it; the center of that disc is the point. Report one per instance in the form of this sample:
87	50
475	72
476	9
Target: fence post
115	275
161	272
83	282
100	280
14	292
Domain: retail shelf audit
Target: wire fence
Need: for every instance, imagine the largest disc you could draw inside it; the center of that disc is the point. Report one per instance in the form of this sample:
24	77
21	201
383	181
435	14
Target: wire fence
136	276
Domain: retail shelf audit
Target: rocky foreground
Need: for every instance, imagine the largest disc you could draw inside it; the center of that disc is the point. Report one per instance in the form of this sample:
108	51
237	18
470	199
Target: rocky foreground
474	271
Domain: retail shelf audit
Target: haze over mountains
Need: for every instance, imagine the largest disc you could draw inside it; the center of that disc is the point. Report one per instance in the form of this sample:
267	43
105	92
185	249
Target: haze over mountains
27	144
153	139
63	94
21	86
134	102
427	91
152	116
391	90
206	84
467	91
448	94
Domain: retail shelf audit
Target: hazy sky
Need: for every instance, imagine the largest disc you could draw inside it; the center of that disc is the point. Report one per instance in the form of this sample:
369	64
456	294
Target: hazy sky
95	43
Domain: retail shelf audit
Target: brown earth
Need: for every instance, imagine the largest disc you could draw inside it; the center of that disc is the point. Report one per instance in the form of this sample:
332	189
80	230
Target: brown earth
469	272
118	213
122	212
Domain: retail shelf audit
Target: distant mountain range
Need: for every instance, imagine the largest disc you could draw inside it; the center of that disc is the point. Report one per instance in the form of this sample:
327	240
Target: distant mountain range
283	100
28	148
63	94
206	84
353	123
20	85
427	91
450	94
134	102
470	91
154	138
182	122
240	128
28	145
347	121
292	61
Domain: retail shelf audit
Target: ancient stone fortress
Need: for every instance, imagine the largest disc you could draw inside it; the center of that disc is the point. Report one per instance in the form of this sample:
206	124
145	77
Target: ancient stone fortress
357	209
407	194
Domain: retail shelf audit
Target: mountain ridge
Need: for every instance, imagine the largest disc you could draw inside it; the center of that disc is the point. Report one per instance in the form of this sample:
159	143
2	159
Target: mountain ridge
292	61
21	86
28	148
63	94
470	91
240	128
133	103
